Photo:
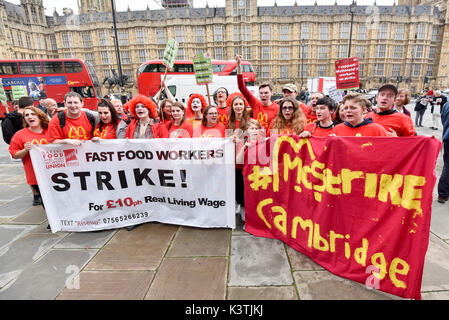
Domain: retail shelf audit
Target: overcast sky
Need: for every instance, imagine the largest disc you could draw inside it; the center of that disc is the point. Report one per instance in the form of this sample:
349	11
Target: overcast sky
122	5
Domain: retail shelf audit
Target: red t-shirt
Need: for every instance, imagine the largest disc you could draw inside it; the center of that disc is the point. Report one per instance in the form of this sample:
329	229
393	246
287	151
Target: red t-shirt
318	131
399	122
217	131
18	143
223	115
284	131
79	129
183	131
263	114
107	131
366	129
311	117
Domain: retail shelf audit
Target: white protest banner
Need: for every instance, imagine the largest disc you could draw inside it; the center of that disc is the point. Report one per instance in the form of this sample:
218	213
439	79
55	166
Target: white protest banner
336	95
117	183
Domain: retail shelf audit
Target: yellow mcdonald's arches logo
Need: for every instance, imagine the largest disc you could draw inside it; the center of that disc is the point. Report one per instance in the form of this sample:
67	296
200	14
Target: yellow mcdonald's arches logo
263	119
71	83
41	141
223	118
78	133
101	134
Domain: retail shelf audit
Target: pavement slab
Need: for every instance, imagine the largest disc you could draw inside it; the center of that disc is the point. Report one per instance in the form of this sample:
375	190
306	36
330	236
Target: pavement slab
440	219
33	215
15	207
190	279
262	293
258	262
436	266
10	233
109	285
47	277
86	240
140	249
190	242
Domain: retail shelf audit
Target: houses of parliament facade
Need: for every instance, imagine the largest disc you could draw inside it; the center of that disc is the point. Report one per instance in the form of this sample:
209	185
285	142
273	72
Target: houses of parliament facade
406	43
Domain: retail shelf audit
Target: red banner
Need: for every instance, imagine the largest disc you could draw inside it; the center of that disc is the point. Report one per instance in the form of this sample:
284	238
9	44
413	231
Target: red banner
347	73
358	206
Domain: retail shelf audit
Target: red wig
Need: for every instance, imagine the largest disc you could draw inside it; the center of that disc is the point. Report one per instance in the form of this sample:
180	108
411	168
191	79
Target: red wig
189	112
233	95
146	101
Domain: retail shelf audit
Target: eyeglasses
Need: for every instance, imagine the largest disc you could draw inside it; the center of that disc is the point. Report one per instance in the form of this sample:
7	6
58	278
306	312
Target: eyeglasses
221	91
287	108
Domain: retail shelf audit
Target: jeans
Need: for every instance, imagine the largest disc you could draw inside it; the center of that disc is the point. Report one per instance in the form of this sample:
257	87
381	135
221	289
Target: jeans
419	117
443	184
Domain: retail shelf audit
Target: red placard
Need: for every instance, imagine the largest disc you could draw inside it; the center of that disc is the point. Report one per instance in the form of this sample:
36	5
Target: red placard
354	205
347	73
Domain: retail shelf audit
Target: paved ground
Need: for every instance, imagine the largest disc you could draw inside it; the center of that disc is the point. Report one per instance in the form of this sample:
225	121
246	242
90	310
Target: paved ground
158	261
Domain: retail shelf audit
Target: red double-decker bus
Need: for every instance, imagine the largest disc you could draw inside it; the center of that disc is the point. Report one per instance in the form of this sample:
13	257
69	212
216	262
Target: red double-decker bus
150	73
51	78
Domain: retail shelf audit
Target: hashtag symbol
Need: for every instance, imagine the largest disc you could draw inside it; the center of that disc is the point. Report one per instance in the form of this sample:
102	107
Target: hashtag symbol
260	178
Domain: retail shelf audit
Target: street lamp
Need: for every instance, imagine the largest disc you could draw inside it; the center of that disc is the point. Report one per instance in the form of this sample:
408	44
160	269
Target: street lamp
352	10
117	50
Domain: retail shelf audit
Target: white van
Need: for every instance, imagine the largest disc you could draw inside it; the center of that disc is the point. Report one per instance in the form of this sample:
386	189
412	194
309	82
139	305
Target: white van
182	86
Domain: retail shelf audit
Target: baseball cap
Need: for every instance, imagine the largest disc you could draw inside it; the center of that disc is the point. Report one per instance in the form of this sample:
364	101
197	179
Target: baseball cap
389	87
290	87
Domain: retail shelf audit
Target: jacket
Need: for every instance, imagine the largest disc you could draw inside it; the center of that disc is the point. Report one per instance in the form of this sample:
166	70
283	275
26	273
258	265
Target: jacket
12	123
445	121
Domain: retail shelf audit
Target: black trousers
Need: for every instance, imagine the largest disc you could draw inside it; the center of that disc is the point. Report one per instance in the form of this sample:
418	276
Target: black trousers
36	188
239	187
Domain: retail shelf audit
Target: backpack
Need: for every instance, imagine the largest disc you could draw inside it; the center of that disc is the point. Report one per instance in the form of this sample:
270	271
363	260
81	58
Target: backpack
11	123
90	117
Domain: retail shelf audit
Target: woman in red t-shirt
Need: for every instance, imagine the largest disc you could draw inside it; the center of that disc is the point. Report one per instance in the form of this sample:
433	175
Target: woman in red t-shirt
178	127
110	125
210	127
165	111
238	117
35	124
289	120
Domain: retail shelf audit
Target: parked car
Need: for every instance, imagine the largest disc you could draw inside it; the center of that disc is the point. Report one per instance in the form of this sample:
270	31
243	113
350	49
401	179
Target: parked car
371	96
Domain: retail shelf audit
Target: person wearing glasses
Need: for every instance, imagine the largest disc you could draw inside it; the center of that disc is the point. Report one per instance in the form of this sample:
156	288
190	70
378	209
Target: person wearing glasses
210	126
289	120
220	97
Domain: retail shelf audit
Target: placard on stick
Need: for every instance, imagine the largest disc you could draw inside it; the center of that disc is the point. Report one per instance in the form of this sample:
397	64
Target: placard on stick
202	66
170	53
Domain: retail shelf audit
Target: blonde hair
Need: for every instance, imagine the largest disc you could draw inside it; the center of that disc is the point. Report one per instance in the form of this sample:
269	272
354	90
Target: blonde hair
357	98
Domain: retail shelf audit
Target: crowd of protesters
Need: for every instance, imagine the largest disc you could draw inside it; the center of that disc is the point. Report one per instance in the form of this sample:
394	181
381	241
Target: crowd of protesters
239	116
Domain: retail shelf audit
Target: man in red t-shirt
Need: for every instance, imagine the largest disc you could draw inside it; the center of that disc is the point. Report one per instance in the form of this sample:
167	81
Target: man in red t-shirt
388	117
311	113
77	126
264	110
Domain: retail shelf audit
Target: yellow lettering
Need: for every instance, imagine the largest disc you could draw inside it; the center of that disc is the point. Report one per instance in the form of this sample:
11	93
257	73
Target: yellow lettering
394	270
305	224
319	176
259	210
331	180
347	248
319	242
290	165
370	185
305	171
280	221
390	186
347	176
411	196
360	253
332	238
382	265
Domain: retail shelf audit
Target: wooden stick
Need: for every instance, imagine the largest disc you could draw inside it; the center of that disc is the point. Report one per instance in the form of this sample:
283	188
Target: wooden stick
160	94
208	94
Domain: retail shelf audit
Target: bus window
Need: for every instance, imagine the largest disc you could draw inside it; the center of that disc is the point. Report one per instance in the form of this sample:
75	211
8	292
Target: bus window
85	92
9	68
155	68
52	67
30	67
218	67
73	67
172	90
183	68
247	68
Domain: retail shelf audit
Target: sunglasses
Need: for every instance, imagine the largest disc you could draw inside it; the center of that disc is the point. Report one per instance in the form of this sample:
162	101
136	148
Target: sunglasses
287	108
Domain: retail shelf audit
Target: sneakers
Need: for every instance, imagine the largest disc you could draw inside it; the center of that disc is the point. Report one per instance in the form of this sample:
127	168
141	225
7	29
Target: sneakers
442	199
433	128
37	201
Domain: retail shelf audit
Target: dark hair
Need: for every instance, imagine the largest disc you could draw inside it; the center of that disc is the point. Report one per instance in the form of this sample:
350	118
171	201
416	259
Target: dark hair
25	102
161	108
215	93
73	94
231	122
114	116
266	84
206	110
327	101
